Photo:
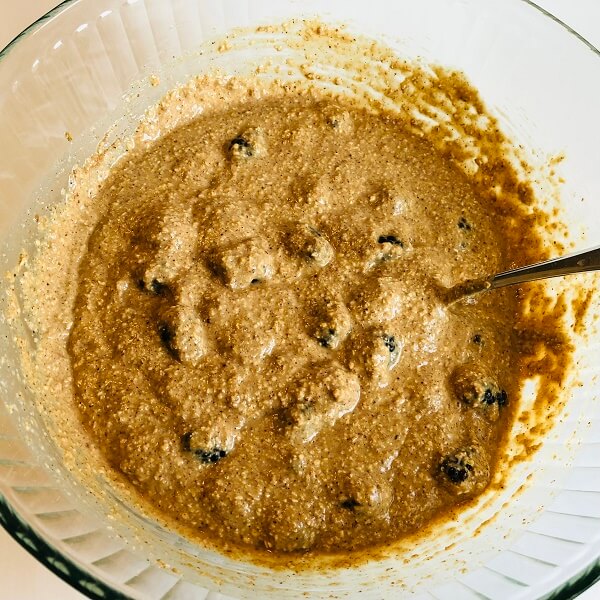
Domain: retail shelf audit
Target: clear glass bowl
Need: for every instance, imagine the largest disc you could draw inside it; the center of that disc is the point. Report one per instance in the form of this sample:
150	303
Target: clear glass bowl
85	67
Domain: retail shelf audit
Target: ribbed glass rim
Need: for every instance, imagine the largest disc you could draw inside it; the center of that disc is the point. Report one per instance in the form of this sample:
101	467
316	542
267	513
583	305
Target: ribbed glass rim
94	588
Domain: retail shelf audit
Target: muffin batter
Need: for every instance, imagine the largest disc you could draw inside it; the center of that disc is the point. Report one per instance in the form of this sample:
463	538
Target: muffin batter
259	343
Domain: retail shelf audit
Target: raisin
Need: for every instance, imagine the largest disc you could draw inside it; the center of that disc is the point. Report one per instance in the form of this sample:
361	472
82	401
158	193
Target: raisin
389	248
328	338
466	471
339	120
158	288
167	337
373	354
474	387
390	239
494	396
210	456
369	497
334	323
185	441
464	224
241	147
477	339
390	343
502	400
456	473
457	467
182	333
490	397
205	456
349	504
250	143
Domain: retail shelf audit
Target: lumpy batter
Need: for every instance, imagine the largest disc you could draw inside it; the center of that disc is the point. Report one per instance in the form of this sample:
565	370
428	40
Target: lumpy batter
259	344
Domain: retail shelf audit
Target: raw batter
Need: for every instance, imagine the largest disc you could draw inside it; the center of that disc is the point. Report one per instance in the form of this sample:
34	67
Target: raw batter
258	343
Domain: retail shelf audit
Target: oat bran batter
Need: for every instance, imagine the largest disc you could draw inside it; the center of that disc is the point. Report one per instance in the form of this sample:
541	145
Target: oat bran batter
258	345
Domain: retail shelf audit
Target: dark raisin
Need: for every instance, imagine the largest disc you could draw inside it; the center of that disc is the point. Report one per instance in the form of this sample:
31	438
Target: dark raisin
167	337
456	474
350	504
328	339
465	471
477	339
488	397
333	322
158	288
464	224
185	441
478	390
390	248
210	456
155	287
491	397
205	456
502	398
255	281
297	413
456	469
241	147
390	343
339	120
390	239
475	387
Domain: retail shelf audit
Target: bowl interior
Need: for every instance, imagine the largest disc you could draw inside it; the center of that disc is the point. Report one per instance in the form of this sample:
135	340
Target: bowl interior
84	71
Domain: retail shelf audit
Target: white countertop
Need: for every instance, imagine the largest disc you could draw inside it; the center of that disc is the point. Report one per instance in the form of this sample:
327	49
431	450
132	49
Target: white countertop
21	576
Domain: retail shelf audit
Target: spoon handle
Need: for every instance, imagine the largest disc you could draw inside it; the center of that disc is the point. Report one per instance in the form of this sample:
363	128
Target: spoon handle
578	262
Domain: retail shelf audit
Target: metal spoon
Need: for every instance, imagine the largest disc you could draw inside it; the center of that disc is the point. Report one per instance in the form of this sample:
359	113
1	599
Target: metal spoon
578	262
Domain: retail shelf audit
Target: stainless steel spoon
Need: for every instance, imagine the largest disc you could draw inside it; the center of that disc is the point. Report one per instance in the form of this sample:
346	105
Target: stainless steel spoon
578	262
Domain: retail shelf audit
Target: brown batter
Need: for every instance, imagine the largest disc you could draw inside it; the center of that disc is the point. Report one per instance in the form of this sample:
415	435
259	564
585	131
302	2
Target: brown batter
259	346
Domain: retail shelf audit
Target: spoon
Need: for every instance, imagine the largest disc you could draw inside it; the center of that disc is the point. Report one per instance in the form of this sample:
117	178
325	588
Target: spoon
578	262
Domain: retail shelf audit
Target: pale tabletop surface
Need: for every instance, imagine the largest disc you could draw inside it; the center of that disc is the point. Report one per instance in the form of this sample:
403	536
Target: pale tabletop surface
21	576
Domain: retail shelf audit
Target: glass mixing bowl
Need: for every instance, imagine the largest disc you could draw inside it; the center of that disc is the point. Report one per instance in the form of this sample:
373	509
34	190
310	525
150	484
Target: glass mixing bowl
83	69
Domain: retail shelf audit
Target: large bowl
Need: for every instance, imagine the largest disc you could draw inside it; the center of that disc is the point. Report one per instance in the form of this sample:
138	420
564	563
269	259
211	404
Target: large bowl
85	66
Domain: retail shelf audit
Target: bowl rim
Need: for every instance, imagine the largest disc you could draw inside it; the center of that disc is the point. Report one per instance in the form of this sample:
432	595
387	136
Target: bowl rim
92	587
